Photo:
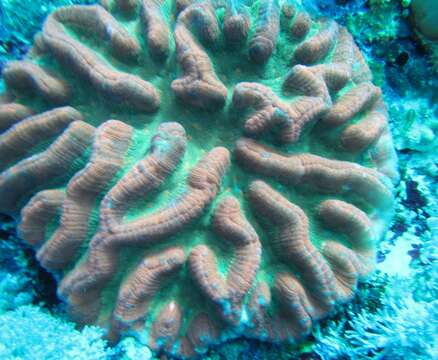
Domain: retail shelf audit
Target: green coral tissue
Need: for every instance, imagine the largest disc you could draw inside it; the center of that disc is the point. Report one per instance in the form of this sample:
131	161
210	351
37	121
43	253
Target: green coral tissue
195	171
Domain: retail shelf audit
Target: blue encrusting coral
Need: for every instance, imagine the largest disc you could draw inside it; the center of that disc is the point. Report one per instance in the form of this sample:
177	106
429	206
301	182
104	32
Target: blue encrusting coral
394	315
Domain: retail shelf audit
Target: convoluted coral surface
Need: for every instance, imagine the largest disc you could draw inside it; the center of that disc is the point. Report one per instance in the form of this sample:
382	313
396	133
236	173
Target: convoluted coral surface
196	171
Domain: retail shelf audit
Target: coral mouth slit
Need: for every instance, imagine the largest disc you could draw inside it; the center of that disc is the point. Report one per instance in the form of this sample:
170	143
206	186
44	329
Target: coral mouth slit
195	171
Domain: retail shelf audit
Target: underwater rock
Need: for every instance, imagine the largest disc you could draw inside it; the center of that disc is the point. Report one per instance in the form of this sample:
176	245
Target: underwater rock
189	180
425	13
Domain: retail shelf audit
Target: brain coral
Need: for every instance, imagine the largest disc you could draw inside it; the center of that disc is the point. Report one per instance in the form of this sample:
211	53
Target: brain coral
241	189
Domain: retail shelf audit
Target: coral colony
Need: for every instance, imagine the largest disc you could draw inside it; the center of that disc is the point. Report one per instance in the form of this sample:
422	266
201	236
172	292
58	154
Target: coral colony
197	171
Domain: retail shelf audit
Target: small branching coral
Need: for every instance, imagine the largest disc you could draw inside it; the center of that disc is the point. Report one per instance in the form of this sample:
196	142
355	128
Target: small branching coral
241	189
30	332
398	327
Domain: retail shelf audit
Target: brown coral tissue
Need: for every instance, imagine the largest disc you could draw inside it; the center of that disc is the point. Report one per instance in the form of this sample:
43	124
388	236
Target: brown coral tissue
196	171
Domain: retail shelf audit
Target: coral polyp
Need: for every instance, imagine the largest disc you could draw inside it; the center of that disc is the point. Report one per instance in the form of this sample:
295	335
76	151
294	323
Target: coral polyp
195	171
